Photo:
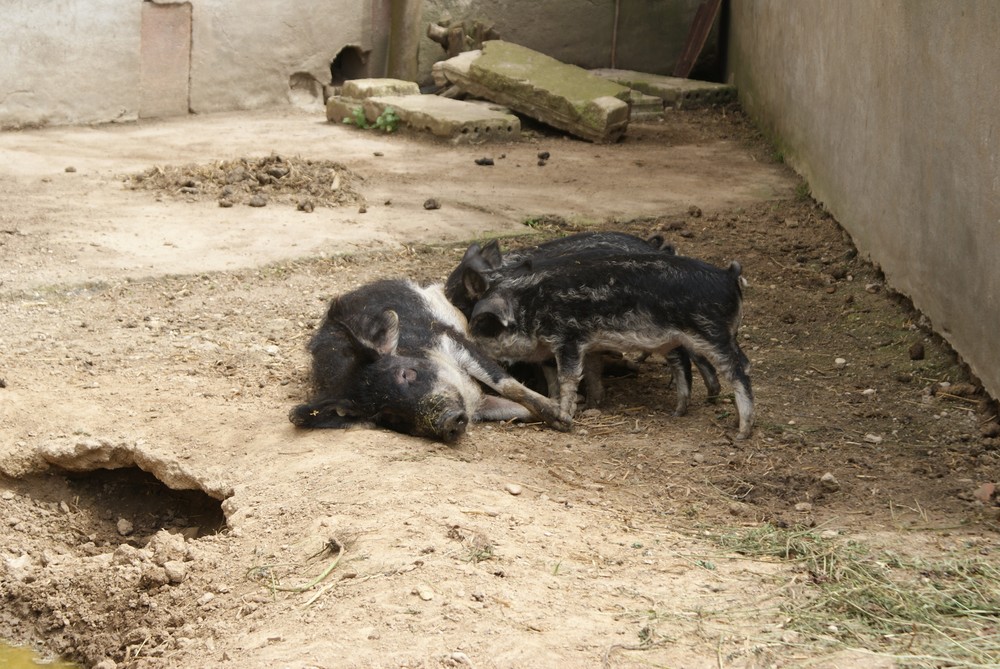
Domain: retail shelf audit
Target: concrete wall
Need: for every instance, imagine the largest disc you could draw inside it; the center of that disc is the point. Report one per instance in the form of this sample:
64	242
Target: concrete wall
79	61
648	36
889	108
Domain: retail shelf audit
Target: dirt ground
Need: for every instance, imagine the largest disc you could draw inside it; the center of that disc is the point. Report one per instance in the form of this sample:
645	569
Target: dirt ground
157	509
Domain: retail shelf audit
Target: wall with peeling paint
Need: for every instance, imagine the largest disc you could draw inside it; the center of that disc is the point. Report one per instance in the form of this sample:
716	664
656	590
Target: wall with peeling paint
889	110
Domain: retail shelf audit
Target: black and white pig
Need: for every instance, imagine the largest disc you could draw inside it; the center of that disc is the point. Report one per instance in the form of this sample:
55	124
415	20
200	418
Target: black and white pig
397	354
645	303
488	258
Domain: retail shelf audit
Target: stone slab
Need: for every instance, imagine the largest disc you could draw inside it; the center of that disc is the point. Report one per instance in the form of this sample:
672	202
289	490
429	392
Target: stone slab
644	107
674	91
454	120
563	96
371	88
338	108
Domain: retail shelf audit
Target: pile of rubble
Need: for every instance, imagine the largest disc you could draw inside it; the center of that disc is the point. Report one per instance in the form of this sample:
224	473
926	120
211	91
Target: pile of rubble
595	105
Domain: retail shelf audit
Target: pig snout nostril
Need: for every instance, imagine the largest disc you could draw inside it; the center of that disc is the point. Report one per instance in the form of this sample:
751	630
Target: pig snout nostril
453	426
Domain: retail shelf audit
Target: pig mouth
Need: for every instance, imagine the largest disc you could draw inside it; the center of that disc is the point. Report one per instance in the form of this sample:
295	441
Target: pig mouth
445	420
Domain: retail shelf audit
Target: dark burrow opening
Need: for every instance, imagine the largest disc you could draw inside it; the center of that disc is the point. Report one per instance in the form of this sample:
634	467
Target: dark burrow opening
127	505
349	63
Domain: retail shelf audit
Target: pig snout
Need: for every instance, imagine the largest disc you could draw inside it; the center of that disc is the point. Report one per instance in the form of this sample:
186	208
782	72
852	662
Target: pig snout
452	425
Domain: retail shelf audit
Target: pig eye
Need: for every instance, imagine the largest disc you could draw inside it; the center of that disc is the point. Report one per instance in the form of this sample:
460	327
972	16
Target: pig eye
406	376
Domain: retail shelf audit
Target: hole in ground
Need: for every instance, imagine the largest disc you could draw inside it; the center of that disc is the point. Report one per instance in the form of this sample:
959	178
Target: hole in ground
126	505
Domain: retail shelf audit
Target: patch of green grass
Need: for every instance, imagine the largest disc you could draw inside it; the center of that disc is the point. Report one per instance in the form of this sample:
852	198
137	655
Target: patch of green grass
924	613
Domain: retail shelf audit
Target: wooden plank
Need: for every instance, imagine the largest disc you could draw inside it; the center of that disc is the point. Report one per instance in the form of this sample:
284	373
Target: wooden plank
704	18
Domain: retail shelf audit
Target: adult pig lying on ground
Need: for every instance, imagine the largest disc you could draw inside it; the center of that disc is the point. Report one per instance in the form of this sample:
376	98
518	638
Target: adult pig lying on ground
488	258
646	303
397	354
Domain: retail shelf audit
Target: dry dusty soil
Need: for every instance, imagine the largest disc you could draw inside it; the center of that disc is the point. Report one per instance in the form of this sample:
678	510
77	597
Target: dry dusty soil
157	509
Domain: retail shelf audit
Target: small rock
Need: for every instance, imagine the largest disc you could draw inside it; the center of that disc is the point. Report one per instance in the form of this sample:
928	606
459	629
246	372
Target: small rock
63	506
985	492
225	203
106	664
306	206
258	201
71	169
513	489
176	571
803	507
543	155
362	209
917	351
873	438
431	203
484	161
7	495
829	534
378	154
829	482
840	363
271	349
124	527
990	430
868	392
873	287
694	212
205	599
424	592
699	458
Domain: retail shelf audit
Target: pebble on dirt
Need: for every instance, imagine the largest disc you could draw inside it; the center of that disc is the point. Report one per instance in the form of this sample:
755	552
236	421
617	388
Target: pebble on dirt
306	206
513	489
124	527
258	201
829	482
431	203
917	351
484	161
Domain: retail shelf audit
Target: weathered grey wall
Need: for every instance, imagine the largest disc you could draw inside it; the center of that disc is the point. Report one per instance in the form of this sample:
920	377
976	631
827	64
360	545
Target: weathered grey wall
650	35
889	108
78	61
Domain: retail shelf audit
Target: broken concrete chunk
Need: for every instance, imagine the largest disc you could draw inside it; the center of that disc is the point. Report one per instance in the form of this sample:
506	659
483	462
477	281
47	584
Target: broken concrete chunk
563	96
644	107
338	108
459	122
674	91
370	88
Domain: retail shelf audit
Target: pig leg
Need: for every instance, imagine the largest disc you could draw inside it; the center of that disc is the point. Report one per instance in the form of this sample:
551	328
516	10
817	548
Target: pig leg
709	376
680	363
593	374
488	372
501	409
728	359
570	364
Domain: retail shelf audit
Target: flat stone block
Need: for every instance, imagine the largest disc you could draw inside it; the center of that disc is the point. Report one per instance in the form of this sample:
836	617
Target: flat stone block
564	96
457	121
338	108
644	107
370	88
674	91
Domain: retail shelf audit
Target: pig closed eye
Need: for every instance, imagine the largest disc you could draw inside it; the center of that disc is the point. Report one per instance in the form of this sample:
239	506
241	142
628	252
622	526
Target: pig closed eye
406	376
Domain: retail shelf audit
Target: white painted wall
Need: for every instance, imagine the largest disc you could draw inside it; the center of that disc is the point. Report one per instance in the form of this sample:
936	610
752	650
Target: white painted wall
78	61
68	61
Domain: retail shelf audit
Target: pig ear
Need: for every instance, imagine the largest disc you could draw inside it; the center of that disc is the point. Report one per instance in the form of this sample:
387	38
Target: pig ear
476	284
491	254
378	336
489	319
